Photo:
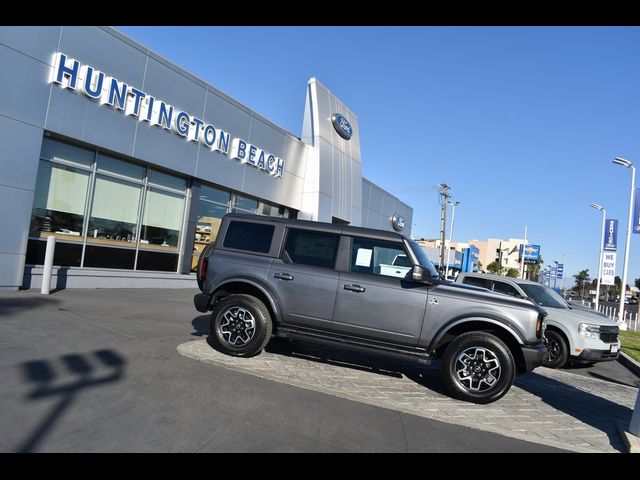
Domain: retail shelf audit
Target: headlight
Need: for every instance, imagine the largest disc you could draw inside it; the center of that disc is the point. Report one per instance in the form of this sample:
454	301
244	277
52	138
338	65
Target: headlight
590	331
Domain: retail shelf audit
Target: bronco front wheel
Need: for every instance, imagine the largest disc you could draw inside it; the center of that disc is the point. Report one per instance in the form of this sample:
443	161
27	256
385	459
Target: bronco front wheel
478	367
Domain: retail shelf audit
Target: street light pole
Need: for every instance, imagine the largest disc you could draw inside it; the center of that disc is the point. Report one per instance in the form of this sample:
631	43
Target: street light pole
604	214
453	215
628	164
555	275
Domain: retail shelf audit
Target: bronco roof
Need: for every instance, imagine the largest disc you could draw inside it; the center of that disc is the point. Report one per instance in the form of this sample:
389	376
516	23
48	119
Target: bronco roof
326	227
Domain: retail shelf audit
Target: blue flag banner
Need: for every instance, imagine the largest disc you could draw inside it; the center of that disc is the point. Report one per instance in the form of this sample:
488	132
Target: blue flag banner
635	226
560	271
610	241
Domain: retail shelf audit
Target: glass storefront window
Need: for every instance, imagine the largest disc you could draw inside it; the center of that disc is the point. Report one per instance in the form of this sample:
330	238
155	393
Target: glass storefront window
65	153
114	212
211	194
120	168
59	202
162	220
212	206
66	176
245	205
165	180
270	210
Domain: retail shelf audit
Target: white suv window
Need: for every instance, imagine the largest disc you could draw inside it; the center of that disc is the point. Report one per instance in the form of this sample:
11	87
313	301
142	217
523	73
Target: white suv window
505	288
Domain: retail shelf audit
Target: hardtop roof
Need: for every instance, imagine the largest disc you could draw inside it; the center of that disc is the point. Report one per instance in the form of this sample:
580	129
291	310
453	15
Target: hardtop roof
324	226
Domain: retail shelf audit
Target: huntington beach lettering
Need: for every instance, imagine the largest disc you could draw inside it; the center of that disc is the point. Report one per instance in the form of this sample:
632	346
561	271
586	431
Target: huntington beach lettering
70	73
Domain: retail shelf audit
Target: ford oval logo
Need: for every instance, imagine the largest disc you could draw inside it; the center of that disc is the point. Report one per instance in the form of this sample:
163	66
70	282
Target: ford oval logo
398	222
342	126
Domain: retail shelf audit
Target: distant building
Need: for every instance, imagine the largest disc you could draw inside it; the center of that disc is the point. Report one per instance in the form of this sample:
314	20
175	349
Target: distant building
506	252
475	255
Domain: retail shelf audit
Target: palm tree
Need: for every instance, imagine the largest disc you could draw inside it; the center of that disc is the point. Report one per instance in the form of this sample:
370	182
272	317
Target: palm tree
581	279
494	267
534	270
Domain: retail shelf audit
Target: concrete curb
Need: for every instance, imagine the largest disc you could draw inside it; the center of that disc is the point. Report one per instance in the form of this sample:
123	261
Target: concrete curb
630	363
630	440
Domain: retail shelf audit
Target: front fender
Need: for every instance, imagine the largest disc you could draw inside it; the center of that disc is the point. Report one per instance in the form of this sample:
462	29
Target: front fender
454	323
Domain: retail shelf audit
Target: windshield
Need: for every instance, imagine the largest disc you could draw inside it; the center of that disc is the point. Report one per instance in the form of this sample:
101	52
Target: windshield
423	260
543	295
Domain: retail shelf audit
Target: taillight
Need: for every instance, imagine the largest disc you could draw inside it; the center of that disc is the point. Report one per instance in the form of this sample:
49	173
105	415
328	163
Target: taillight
203	269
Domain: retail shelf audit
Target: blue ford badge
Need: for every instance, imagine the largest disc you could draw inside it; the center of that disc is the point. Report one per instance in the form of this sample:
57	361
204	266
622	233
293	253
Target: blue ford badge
342	126
398	222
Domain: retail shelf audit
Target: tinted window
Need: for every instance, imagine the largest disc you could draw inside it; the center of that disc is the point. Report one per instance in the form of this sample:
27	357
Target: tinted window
312	248
543	295
476	282
501	287
253	237
376	257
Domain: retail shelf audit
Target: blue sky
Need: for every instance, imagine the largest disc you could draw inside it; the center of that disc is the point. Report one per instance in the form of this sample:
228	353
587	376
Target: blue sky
521	122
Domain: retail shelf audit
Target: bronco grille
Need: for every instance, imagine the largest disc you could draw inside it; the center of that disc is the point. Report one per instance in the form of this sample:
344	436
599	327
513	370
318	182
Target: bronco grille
609	334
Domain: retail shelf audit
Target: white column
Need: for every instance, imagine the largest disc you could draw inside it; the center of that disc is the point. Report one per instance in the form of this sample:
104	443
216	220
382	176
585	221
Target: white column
48	265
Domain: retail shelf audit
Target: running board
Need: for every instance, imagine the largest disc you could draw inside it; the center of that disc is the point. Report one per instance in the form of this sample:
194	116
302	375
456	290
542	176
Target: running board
421	357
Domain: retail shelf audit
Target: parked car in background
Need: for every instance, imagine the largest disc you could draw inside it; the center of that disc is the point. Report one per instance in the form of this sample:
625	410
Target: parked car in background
572	334
363	289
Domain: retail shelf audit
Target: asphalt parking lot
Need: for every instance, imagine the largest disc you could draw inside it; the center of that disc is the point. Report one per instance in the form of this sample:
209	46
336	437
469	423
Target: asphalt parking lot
132	370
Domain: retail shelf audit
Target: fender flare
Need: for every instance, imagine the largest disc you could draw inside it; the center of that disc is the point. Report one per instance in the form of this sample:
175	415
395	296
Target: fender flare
444	329
273	301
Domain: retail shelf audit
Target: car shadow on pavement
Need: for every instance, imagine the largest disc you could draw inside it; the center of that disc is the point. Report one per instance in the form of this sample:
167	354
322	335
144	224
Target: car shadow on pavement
201	325
428	377
64	379
15	304
595	411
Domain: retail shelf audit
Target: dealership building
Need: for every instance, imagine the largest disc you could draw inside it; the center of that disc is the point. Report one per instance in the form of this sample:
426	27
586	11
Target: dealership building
130	162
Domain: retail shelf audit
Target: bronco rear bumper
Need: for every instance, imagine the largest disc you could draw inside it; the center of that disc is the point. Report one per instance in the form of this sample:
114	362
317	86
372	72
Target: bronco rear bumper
202	302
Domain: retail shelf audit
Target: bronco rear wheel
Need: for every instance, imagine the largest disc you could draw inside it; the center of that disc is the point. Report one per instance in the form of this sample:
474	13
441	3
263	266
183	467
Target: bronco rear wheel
477	367
240	326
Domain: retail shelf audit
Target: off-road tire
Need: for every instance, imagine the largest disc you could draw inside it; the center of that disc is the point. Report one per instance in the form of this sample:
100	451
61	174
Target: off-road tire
558	351
241	326
489	370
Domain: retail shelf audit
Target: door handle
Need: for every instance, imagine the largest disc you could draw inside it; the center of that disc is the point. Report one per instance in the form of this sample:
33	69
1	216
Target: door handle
283	276
354	288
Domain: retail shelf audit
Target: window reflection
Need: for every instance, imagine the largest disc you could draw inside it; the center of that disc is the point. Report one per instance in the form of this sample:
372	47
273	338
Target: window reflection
162	220
213	204
114	212
59	202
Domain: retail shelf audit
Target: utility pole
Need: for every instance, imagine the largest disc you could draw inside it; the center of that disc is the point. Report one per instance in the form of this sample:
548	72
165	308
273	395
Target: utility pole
522	258
444	196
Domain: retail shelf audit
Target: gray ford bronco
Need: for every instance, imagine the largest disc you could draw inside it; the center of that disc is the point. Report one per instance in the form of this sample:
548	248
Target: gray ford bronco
336	284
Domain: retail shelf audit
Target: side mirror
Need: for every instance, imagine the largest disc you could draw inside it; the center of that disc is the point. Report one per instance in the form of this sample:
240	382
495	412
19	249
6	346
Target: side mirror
418	274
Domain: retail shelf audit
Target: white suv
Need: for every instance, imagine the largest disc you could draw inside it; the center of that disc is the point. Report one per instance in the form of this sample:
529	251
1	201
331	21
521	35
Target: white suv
572	334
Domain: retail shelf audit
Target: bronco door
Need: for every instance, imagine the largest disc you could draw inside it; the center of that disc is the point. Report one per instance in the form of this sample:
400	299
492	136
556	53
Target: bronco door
304	277
376	299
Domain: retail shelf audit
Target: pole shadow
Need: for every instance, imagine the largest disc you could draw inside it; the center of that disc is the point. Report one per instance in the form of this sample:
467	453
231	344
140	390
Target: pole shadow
42	374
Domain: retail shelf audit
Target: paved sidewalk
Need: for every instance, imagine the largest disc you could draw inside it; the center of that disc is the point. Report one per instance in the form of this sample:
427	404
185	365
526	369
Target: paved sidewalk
552	407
